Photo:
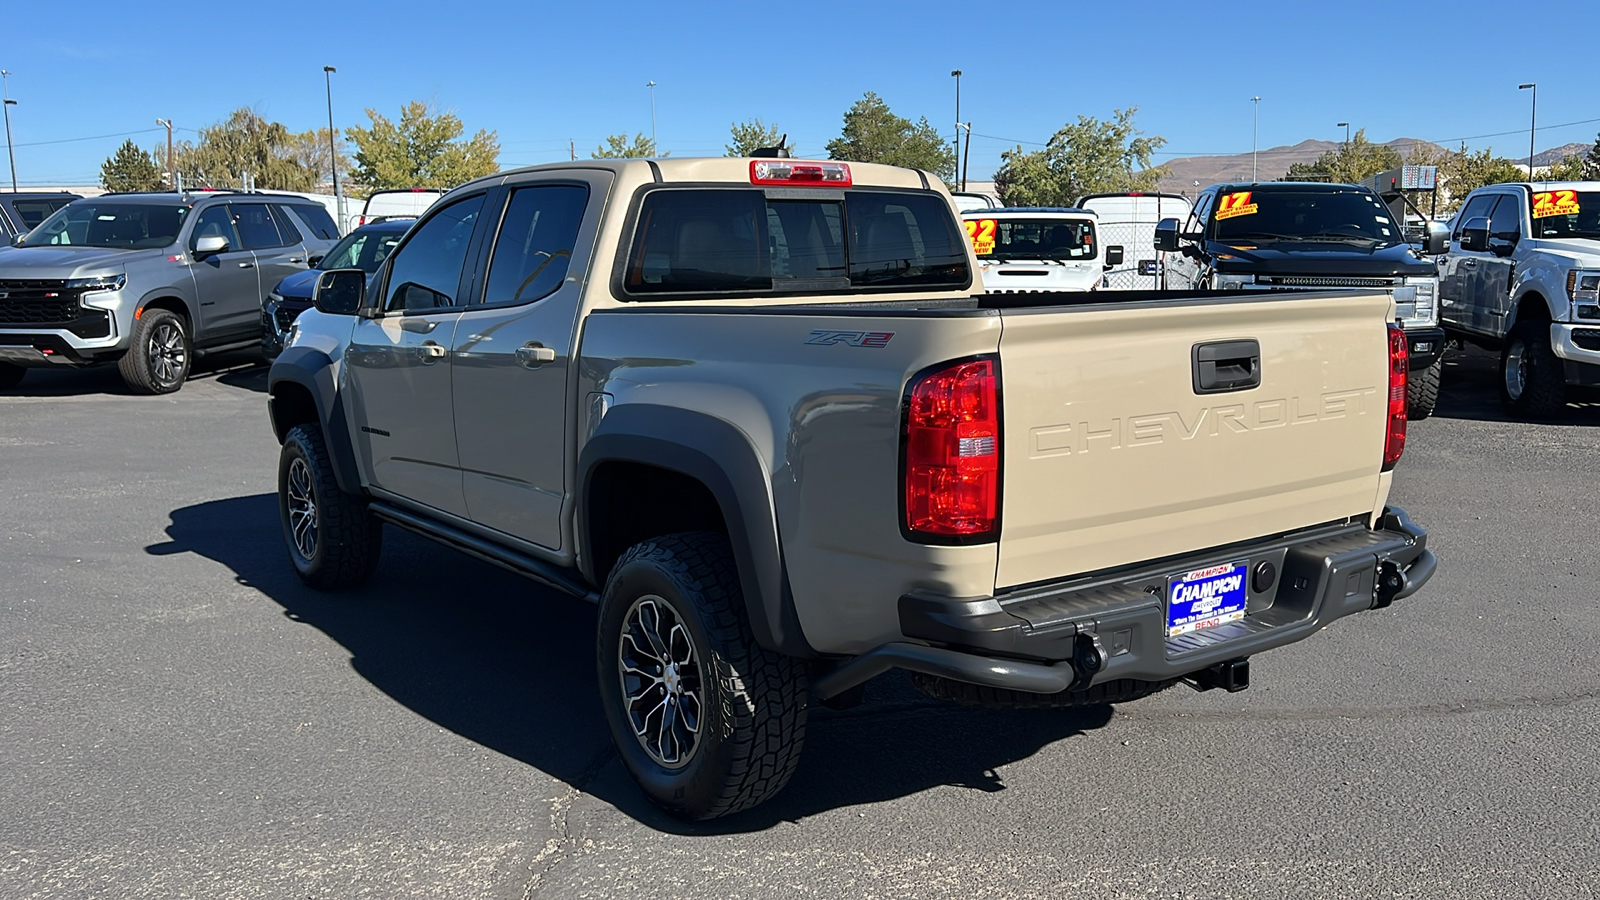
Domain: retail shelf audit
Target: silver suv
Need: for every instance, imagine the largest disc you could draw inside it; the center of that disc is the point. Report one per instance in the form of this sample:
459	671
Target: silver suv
150	281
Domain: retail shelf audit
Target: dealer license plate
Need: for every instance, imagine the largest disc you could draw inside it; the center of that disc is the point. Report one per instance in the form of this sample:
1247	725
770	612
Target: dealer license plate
1206	598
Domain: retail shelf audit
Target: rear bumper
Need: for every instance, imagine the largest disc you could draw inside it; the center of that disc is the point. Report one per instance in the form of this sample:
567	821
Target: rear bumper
1073	635
1425	345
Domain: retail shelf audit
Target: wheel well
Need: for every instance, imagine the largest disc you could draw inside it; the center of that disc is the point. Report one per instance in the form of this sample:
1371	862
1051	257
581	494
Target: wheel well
630	502
170	304
1532	308
291	405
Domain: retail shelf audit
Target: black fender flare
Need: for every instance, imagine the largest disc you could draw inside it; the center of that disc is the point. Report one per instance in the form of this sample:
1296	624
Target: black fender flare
313	370
719	456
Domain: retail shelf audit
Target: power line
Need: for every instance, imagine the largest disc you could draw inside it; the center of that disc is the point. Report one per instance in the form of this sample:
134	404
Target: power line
97	137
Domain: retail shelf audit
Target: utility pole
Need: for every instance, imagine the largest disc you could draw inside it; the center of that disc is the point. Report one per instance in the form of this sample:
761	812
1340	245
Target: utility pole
172	179
333	147
5	93
655	150
1254	109
572	148
1533	121
956	74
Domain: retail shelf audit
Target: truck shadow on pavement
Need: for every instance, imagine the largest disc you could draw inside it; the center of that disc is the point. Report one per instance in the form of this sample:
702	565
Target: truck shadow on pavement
1469	388
236	368
508	664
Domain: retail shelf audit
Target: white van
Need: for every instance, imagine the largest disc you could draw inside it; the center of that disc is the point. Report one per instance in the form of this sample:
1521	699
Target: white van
966	201
1032	248
1128	220
404	203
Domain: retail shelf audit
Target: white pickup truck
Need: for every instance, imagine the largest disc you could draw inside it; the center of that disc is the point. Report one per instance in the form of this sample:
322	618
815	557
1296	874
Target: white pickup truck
1034	248
1523	277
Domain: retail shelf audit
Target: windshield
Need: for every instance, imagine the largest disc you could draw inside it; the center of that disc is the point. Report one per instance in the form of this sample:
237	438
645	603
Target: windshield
1262	216
361	251
1565	214
1000	240
126	226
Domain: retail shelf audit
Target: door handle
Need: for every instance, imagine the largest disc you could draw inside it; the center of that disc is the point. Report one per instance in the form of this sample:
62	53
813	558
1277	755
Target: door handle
1470	263
1223	366
428	351
533	354
297	259
247	265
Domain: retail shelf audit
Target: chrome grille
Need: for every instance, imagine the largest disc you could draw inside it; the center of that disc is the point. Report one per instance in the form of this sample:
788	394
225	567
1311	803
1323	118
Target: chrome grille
1328	281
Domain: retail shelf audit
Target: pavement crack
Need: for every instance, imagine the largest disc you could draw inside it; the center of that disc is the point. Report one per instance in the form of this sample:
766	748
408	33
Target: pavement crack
558	849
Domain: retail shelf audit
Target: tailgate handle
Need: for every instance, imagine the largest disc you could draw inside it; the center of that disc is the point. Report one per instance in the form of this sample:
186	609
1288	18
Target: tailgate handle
1224	366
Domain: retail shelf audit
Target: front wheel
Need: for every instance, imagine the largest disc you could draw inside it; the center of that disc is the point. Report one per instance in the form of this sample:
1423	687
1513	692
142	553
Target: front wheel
333	540
705	720
1532	384
158	357
1422	390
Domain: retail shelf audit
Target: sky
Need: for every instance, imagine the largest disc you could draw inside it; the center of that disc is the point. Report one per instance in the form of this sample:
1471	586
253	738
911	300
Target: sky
89	74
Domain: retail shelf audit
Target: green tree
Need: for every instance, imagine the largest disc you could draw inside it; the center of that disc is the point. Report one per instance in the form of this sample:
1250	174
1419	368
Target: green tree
1568	168
1087	157
618	147
1591	162
130	169
310	149
424	149
874	134
1466	172
244	144
751	136
1349	163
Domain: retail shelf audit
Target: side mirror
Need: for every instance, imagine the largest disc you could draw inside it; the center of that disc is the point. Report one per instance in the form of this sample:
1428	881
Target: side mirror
1435	239
1113	257
210	244
1475	235
1167	235
314	261
340	292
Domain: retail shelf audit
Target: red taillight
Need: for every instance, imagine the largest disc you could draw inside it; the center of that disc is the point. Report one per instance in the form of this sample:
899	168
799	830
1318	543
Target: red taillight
1394	442
952	453
789	171
361	220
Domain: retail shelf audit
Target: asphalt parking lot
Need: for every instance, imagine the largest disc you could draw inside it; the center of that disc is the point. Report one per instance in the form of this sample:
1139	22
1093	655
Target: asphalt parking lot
179	718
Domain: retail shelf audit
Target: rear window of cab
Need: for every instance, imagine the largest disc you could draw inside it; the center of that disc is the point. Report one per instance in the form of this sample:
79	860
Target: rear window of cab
744	242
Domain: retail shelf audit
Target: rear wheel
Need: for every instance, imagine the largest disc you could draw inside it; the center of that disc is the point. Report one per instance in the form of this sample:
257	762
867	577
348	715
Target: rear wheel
158	358
1422	390
1121	690
1532	384
10	375
705	720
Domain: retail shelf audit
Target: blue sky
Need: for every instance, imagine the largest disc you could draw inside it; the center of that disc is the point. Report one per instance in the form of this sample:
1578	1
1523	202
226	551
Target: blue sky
542	74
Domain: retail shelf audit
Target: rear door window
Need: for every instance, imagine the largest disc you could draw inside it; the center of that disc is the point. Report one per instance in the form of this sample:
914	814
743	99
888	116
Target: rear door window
317	219
741	241
536	241
256	227
285	223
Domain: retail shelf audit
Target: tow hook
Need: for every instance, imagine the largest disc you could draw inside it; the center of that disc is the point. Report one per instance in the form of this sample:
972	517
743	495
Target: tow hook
1088	658
1391	581
1232	676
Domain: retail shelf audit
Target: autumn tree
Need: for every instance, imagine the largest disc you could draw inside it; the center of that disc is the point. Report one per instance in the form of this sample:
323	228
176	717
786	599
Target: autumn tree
617	146
423	150
751	136
310	149
244	144
1089	156
874	134
130	169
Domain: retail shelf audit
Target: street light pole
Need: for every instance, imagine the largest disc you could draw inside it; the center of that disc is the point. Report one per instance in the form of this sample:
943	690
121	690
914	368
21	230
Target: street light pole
1533	121
172	179
956	74
11	152
1346	127
1254	109
654	150
333	147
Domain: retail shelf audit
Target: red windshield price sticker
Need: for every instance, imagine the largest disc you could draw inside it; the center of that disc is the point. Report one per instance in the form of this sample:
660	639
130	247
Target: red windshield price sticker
1554	203
981	233
1235	205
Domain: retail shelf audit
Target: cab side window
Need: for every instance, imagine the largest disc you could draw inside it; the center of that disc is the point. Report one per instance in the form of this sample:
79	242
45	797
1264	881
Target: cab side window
426	273
1505	223
1477	207
215	220
1200	215
536	241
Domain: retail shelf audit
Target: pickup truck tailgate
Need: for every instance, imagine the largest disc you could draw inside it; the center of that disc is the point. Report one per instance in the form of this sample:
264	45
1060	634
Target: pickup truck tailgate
1114	454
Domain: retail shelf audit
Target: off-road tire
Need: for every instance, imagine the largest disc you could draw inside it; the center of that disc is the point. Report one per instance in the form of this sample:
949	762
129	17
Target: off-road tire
1121	690
1544	384
348	539
1422	390
139	366
752	701
10	375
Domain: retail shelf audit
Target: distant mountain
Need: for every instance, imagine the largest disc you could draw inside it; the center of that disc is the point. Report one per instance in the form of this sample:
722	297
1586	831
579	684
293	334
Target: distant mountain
1271	163
1557	154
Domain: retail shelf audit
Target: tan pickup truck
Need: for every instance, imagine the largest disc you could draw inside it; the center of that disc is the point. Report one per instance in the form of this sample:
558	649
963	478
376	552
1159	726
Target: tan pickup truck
758	410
